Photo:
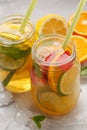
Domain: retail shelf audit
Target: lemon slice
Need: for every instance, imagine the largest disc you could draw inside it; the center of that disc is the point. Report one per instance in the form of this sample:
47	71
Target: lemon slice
51	101
9	36
68	81
8	63
52	24
21	85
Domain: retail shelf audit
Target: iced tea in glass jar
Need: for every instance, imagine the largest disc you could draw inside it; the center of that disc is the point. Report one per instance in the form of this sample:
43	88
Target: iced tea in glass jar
15	53
55	75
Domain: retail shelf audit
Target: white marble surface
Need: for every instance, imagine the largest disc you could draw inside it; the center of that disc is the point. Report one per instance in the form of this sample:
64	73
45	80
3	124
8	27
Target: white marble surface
17	109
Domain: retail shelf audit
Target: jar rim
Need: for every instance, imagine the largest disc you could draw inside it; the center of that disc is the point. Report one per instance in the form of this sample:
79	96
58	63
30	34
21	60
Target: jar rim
35	57
20	18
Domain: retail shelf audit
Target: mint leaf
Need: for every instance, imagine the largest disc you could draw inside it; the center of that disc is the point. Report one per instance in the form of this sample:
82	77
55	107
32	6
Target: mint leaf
38	119
83	71
14	52
37	69
8	78
38	124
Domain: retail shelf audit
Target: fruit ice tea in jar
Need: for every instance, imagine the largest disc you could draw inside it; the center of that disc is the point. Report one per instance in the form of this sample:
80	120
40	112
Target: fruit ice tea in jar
55	75
15	53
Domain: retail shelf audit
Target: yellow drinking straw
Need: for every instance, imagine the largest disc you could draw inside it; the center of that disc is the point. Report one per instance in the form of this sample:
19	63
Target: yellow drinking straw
27	16
74	22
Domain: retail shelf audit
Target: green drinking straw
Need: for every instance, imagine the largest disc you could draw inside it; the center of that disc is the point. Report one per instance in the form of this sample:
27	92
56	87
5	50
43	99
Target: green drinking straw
22	27
28	14
74	22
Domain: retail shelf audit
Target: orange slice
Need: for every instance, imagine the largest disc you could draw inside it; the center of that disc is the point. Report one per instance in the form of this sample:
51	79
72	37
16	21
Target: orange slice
51	24
81	47
81	27
53	77
55	73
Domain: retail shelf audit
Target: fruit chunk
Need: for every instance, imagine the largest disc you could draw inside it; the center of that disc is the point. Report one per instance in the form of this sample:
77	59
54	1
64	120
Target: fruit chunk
81	47
8	63
9	36
68	81
21	85
37	79
53	104
52	24
51	101
81	27
55	72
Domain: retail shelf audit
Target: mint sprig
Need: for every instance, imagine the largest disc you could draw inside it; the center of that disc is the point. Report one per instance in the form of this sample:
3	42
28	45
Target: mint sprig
14	52
83	71
37	69
38	119
8	78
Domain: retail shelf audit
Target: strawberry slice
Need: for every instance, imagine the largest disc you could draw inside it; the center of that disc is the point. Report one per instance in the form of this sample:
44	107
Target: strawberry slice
66	55
63	57
47	59
50	57
38	81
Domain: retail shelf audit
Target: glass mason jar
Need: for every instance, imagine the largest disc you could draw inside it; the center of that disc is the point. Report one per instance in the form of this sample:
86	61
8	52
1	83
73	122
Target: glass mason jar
55	75
15	53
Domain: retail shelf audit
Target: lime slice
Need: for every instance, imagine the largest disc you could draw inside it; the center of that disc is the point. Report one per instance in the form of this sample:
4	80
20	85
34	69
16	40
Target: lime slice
9	36
68	80
8	63
51	101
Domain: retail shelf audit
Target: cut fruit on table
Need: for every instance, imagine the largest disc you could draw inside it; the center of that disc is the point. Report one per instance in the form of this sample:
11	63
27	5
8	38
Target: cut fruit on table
51	24
81	26
81	47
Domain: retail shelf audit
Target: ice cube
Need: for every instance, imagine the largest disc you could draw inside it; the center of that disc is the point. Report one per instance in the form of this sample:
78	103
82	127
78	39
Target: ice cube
21	120
44	51
1	88
7	114
23	99
23	115
5	98
15	126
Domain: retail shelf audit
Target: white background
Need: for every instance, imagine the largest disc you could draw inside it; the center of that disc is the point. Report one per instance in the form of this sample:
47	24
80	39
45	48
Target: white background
77	120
